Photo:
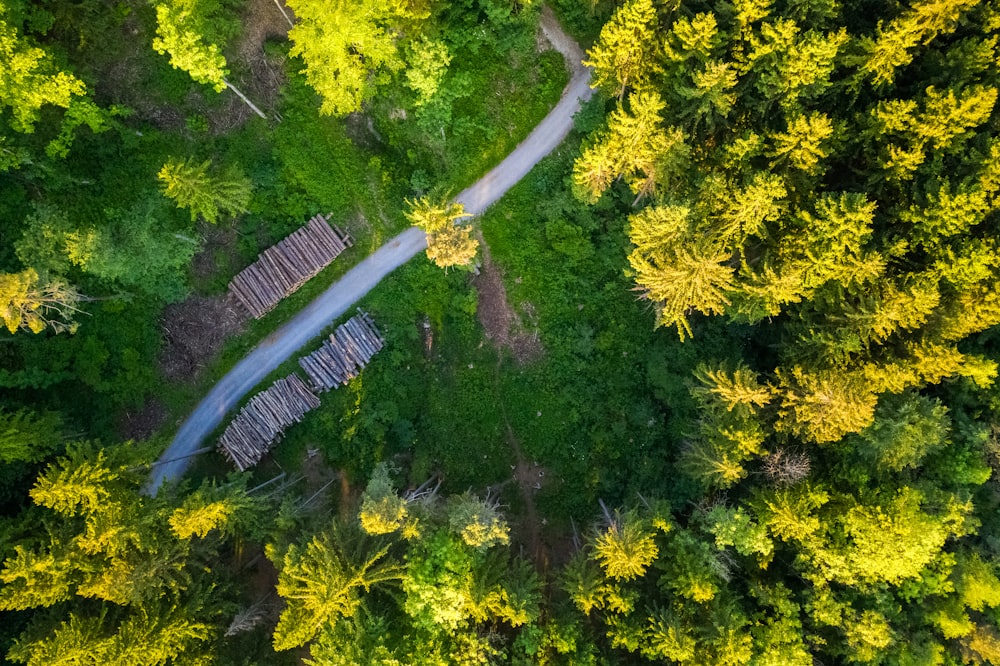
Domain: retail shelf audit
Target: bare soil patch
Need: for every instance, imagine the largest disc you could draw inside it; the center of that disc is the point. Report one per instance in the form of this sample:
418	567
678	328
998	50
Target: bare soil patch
502	325
194	331
217	251
141	423
530	476
257	74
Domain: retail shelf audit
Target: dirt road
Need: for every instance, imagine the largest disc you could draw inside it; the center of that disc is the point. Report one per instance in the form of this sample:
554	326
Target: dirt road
344	293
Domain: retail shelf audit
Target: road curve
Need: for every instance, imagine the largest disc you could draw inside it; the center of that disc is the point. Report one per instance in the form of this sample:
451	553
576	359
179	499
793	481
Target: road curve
341	295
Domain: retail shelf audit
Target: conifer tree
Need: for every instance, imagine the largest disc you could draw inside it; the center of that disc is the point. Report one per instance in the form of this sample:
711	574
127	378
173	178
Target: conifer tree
623	57
192	186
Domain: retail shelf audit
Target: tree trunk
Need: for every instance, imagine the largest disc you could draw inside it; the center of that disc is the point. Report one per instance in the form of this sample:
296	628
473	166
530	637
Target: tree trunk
284	13
244	98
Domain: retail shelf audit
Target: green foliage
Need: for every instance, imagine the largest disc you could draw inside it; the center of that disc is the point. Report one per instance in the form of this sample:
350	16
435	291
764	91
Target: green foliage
477	522
621	58
29	436
159	637
191	186
625	548
208	509
122	588
31	80
382	510
448	243
427	61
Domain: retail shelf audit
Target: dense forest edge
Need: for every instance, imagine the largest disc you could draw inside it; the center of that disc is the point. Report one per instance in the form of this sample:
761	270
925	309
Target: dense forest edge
714	384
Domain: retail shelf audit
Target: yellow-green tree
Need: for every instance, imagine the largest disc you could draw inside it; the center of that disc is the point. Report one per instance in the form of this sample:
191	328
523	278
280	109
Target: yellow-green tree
349	48
192	186
184	31
32	303
448	243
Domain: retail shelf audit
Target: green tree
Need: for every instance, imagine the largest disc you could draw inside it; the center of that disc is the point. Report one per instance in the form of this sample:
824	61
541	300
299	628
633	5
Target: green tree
625	548
28	435
193	187
31	80
428	61
323	582
119	585
623	58
477	521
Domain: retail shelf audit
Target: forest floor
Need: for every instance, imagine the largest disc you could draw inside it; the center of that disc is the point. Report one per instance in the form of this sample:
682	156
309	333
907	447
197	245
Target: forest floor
357	282
503	326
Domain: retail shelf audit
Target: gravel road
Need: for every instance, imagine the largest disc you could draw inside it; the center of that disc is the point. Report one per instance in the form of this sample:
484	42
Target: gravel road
357	282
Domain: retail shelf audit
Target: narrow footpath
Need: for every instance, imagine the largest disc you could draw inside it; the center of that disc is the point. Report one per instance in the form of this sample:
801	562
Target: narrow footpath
341	295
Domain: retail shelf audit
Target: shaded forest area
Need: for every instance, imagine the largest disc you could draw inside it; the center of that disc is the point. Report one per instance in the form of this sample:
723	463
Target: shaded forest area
722	393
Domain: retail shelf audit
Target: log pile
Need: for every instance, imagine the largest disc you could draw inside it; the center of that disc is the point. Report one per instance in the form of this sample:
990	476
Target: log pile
264	419
344	354
283	268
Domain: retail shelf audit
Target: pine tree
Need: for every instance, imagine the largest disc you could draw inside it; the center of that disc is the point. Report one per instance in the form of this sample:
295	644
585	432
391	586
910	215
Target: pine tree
624	55
322	583
478	522
29	436
625	548
382	510
681	280
191	186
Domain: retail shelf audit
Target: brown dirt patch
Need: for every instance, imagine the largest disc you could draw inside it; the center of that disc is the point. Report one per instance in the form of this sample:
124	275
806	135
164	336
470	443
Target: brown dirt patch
530	476
218	249
502	325
265	74
194	331
141	423
262	20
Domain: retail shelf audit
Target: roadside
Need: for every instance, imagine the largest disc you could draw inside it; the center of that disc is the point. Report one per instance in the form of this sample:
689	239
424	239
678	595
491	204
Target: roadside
358	281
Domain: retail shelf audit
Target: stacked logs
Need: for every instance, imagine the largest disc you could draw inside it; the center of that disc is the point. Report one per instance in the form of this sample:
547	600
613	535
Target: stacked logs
344	354
263	420
283	268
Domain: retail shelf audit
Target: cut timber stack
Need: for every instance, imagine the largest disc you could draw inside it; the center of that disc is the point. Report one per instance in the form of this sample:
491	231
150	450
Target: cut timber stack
261	423
344	354
283	268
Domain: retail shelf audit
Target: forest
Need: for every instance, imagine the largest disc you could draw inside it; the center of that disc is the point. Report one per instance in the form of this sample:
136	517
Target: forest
715	384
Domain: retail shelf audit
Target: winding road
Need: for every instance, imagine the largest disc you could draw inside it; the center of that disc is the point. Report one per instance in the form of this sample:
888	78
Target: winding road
341	295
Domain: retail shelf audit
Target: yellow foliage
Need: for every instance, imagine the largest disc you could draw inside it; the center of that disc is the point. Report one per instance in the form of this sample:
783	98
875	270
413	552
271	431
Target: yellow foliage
625	549
200	520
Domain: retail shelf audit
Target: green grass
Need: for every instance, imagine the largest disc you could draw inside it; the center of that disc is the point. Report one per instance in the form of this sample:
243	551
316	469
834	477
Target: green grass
496	99
316	167
589	411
